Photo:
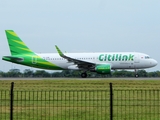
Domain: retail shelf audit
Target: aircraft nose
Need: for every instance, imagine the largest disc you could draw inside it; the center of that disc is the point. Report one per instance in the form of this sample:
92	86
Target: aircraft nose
154	62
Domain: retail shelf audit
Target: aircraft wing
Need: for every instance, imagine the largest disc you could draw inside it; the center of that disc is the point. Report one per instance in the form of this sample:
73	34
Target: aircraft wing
81	64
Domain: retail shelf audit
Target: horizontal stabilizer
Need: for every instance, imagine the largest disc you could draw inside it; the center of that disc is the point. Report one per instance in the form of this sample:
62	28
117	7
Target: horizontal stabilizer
12	58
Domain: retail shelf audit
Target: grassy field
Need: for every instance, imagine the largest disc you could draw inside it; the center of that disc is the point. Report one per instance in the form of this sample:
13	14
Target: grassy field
78	84
81	99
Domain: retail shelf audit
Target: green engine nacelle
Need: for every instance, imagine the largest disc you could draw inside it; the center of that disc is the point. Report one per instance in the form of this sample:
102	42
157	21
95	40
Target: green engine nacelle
103	69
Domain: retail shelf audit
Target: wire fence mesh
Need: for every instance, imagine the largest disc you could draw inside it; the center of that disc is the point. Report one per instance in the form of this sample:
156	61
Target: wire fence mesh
86	101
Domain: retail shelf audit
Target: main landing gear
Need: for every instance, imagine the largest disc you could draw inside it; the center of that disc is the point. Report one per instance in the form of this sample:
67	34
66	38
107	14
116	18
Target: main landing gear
84	75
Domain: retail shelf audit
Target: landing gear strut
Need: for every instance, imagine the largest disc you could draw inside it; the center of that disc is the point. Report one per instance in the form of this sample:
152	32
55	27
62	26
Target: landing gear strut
136	75
84	75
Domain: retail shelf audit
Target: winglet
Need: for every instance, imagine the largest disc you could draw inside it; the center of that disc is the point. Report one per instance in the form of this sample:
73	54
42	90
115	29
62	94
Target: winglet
59	51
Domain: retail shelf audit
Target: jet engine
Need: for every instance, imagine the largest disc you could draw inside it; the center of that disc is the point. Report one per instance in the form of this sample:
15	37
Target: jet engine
103	68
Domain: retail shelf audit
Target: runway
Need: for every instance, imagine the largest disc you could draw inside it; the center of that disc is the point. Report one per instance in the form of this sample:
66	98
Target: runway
140	78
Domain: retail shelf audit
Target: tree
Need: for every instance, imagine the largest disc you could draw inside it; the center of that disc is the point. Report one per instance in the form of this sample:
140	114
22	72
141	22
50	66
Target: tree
14	73
42	73
142	73
158	73
28	73
57	74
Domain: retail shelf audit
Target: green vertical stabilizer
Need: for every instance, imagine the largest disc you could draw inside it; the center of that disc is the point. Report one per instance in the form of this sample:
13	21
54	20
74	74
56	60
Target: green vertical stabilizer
16	45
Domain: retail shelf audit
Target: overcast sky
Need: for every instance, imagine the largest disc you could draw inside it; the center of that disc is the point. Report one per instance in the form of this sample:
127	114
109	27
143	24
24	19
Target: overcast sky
82	26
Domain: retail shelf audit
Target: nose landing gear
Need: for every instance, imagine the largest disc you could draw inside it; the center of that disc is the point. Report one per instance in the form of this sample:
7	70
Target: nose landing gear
136	75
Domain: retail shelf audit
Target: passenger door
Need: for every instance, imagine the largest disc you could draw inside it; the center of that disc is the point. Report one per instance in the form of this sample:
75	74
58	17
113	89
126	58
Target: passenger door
34	60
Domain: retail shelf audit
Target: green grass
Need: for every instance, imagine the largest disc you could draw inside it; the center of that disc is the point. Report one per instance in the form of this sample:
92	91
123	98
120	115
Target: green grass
78	84
81	99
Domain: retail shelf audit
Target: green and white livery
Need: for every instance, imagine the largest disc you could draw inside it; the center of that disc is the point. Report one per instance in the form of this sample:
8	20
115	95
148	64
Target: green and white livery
101	63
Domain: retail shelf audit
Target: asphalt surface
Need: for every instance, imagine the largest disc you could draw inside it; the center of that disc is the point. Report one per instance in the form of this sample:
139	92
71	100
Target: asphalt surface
158	78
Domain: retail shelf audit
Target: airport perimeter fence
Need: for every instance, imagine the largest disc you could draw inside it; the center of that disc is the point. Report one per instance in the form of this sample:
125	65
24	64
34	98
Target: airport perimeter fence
108	104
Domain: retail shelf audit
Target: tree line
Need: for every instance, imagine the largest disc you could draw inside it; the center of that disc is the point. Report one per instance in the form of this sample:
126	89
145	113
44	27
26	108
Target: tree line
72	73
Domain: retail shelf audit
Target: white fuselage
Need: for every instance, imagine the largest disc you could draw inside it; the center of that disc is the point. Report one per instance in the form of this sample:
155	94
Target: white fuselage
117	60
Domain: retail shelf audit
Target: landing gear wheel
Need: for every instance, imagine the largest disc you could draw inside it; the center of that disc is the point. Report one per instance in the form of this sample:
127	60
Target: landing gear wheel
83	75
136	75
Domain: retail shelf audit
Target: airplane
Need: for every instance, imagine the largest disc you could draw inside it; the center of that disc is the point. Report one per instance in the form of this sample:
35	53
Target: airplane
100	62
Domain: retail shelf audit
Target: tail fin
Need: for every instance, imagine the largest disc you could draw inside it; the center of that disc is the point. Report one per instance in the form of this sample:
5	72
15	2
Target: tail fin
16	45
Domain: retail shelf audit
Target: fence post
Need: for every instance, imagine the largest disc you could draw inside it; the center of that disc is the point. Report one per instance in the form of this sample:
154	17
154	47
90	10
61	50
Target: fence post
111	101
11	101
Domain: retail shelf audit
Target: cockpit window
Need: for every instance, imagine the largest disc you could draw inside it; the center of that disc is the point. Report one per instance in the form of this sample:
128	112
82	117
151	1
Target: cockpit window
147	57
